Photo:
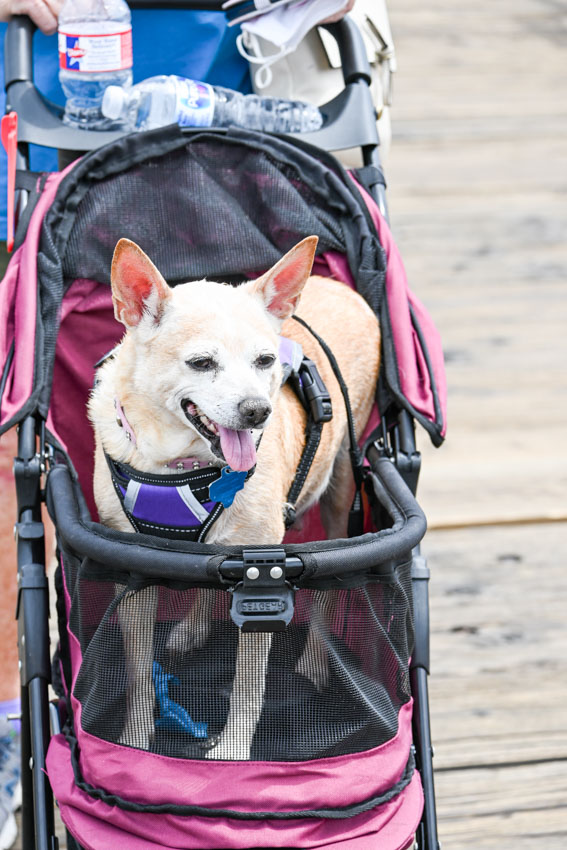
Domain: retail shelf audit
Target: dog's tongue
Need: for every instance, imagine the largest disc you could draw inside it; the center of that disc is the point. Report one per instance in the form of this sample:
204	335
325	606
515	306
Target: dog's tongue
238	448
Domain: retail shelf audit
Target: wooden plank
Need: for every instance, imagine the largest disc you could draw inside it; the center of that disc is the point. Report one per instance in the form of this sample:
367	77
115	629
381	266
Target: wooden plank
498	687
500	809
490	792
498	642
478	210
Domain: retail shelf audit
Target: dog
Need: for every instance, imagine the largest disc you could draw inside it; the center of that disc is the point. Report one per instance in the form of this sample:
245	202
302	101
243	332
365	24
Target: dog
197	374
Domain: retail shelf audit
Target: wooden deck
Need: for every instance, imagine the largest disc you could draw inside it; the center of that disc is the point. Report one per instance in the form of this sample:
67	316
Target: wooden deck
477	186
477	189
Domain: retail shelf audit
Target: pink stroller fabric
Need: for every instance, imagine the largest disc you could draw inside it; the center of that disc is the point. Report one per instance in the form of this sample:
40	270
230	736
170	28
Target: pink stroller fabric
99	826
18	310
414	374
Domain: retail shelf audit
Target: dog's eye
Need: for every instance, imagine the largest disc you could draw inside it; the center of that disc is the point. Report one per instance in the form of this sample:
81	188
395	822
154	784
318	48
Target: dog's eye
264	361
202	364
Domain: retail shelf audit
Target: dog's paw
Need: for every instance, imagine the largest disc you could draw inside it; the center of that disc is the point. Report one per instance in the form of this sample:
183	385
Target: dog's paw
229	748
187	636
136	737
313	663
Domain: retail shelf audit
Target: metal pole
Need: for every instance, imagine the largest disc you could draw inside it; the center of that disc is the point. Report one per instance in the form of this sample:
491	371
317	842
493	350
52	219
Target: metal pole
33	640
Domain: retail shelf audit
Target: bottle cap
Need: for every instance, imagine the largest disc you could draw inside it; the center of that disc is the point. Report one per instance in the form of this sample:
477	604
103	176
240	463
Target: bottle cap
113	102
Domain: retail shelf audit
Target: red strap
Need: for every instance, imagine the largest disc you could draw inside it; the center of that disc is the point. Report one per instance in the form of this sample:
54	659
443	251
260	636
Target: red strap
10	142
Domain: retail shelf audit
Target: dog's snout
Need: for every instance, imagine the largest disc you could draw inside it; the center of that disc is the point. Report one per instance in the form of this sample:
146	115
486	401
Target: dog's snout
254	411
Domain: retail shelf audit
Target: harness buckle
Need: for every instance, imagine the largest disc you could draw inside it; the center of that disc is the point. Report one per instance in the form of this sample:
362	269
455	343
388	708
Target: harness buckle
315	392
263	600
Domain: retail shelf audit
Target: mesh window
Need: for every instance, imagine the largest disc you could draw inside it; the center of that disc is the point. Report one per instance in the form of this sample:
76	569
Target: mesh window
202	211
335	681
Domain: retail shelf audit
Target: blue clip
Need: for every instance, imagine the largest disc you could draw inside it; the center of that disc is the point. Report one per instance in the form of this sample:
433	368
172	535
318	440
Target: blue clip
225	488
172	715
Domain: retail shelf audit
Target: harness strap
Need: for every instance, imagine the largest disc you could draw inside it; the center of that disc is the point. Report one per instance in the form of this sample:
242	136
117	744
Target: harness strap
313	438
314	396
356	513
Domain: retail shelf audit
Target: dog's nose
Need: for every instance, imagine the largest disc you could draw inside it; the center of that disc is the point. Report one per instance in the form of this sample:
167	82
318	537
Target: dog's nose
254	411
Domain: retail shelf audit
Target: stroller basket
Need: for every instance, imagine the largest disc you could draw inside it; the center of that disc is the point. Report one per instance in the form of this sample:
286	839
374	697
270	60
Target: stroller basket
361	608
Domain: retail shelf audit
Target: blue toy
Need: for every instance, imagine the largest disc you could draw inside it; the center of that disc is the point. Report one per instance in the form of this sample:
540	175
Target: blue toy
225	488
172	715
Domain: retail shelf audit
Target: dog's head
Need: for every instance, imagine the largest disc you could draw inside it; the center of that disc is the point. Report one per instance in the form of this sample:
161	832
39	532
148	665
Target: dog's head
207	353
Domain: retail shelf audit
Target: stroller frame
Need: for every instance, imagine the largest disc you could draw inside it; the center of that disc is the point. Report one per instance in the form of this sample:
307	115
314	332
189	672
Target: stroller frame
37	119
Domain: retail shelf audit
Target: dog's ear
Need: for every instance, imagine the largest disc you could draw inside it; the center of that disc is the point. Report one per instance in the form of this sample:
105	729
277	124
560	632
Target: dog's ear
137	286
280	287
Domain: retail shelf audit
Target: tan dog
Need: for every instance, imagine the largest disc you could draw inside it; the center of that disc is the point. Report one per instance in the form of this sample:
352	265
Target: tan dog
197	374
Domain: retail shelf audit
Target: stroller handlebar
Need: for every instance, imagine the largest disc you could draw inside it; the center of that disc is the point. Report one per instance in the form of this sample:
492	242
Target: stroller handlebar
210	563
349	117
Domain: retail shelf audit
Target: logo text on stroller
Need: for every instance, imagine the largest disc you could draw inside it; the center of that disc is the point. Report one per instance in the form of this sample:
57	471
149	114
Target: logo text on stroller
261	606
263	600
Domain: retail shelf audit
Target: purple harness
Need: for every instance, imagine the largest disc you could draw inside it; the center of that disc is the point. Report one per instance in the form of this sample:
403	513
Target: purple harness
185	504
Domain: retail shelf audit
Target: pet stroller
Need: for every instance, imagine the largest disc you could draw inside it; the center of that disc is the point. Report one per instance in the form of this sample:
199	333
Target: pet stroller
346	766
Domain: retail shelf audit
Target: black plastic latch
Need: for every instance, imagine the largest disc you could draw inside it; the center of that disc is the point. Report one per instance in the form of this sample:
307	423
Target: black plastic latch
419	568
370	176
30	577
263	600
29	530
315	392
27	473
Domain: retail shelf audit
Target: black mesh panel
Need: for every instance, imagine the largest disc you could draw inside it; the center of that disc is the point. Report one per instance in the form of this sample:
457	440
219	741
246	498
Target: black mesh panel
335	680
199	212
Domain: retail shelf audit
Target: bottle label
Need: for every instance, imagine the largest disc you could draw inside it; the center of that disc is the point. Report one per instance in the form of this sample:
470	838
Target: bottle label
195	103
96	52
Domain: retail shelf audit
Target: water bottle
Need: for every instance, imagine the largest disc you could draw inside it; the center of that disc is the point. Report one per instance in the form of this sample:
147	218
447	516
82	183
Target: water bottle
95	51
163	100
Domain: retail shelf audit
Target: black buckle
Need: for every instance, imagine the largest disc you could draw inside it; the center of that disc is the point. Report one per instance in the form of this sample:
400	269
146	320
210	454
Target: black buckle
27	473
29	530
263	600
315	391
30	577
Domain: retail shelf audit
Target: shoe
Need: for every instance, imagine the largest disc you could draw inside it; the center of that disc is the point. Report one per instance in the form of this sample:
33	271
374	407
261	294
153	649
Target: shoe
9	831
10	786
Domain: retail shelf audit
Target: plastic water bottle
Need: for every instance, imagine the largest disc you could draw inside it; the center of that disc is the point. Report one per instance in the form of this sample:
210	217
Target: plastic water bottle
95	51
163	100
